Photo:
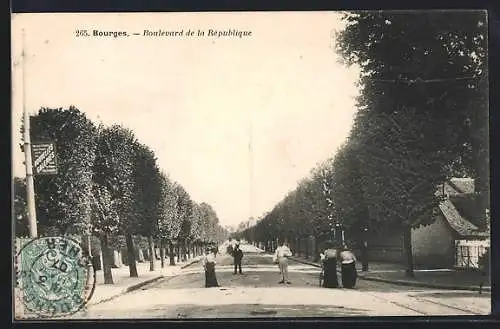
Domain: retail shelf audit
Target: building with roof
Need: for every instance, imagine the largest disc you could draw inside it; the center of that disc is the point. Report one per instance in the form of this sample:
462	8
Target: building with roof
457	237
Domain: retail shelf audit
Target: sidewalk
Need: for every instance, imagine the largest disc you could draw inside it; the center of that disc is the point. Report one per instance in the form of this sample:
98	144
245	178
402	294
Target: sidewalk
438	278
123	283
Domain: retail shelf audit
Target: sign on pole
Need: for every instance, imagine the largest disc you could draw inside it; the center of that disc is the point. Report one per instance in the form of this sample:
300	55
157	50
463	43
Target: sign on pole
44	159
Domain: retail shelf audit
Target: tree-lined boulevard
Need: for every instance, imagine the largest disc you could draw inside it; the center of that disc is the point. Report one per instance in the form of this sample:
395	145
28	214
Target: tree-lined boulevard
421	119
108	186
256	294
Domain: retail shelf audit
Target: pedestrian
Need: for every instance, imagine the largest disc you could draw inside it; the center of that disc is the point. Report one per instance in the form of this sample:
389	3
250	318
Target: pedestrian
348	272
209	266
281	257
229	248
321	261
238	256
330	279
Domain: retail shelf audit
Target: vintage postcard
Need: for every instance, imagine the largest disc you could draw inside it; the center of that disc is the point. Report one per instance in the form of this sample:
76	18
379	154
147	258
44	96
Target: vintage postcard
250	165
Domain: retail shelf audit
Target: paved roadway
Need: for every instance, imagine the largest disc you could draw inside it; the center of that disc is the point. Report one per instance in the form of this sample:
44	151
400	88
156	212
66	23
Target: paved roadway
256	293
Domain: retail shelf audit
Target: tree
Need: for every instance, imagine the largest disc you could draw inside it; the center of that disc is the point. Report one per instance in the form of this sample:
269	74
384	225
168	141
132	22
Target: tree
210	222
350	206
105	222
422	107
63	200
184	207
169	223
196	225
347	191
114	171
147	192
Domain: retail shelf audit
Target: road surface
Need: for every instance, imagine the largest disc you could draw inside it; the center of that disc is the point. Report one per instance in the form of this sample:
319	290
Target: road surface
257	293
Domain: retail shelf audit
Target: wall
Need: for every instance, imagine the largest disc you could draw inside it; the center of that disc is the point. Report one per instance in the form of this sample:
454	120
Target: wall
432	245
386	247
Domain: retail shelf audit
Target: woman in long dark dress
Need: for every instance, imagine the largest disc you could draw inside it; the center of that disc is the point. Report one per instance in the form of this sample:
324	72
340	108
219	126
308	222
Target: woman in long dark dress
330	279
349	273
209	265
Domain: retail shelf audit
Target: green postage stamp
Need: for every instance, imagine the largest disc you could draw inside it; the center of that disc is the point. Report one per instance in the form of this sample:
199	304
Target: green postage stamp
55	278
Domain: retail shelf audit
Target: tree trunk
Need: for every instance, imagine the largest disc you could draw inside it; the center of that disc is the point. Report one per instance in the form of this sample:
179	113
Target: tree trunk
106	259
364	254
480	154
408	252
315	249
307	248
162	253
171	254
151	253
131	256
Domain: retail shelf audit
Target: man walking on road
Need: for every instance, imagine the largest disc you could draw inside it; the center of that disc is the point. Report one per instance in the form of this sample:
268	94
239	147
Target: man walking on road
281	257
238	255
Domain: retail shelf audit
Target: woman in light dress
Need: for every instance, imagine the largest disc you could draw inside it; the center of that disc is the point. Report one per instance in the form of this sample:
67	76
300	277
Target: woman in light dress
209	266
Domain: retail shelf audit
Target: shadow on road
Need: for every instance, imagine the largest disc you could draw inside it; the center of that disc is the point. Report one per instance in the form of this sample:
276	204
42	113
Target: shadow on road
454	294
187	311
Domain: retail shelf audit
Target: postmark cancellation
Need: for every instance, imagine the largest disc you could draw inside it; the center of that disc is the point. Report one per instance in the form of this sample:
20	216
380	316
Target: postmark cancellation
55	277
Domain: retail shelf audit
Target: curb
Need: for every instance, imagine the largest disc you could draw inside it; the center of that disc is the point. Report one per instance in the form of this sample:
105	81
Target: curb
405	283
424	285
195	260
298	260
126	290
142	284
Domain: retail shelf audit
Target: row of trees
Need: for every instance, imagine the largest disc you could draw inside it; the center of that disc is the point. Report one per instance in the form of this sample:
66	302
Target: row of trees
109	184
422	118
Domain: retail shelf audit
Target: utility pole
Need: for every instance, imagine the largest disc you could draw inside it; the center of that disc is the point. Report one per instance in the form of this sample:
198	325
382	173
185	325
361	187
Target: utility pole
30	186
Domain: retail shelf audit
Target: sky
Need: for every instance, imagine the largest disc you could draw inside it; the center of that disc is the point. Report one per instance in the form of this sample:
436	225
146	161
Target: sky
236	121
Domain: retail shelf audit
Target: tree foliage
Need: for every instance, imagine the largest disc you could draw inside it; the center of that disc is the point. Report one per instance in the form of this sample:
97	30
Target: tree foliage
148	194
423	104
168	220
184	208
110	184
114	171
63	200
421	119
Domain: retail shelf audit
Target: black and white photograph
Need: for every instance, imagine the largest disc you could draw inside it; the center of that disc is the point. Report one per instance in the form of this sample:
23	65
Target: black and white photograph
250	165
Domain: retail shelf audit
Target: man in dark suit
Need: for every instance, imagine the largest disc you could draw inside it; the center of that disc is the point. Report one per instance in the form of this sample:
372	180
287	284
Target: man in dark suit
237	255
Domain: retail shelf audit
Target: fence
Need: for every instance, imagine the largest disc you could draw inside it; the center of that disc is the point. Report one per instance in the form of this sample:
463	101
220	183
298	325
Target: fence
469	252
